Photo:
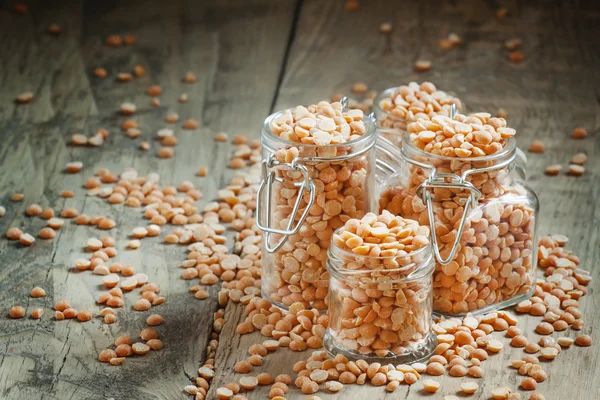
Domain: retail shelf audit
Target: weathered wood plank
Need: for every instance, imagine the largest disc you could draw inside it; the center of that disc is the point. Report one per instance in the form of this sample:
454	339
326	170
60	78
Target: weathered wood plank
546	97
48	65
225	45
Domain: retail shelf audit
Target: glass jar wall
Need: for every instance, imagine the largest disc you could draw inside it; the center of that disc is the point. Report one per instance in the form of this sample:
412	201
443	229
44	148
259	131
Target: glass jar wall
380	308
307	192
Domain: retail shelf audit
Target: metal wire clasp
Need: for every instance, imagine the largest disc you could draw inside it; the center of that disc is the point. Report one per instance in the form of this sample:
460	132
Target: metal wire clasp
451	181
305	186
455	182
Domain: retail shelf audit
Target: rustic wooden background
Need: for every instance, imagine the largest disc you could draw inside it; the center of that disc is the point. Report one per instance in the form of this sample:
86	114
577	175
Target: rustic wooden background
253	57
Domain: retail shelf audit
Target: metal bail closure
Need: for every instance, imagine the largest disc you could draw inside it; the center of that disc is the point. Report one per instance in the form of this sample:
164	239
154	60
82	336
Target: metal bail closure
456	182
305	186
453	110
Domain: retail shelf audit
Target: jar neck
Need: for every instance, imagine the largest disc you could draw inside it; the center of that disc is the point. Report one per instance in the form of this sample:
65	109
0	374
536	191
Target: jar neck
503	160
399	119
271	143
385	119
403	267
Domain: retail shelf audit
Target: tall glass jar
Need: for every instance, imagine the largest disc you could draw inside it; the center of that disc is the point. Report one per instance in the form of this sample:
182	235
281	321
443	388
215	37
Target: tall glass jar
307	192
396	107
483	222
380	307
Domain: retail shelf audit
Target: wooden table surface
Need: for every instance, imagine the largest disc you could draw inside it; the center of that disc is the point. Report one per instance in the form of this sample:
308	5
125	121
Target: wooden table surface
253	57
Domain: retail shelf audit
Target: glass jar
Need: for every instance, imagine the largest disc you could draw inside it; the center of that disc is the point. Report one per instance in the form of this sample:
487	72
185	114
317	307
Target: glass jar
307	192
484	219
387	162
380	307
392	121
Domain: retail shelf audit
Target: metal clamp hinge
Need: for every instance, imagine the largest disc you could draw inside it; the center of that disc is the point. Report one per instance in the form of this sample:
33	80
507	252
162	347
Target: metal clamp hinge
264	204
456	182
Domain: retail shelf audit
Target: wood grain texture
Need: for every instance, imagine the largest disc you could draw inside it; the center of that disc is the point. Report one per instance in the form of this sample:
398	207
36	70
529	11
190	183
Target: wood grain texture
239	50
47	359
553	91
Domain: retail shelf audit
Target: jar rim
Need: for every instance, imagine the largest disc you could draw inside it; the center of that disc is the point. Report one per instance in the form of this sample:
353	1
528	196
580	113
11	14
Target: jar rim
377	108
386	93
428	263
367	139
506	151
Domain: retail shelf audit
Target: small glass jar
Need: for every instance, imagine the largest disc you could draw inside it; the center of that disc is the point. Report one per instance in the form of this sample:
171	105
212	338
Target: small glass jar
484	219
307	192
380	307
392	122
